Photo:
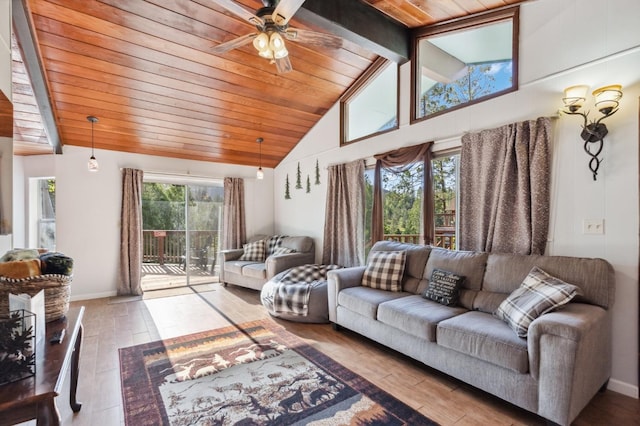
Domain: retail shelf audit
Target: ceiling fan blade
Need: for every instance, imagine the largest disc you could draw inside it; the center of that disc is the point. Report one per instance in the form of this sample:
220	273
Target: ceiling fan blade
284	65
232	44
243	13
285	10
313	38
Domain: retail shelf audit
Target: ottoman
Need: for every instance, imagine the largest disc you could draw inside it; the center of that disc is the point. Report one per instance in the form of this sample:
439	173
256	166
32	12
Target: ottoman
313	277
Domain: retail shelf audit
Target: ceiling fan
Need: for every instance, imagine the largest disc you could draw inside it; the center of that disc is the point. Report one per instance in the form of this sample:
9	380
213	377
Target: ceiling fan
272	25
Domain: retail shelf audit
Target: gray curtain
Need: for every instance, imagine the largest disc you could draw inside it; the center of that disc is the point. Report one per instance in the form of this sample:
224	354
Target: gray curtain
234	228
344	216
504	188
131	233
398	161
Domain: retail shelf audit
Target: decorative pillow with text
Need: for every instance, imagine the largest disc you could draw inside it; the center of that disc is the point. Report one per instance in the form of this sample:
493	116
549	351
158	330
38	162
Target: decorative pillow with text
444	287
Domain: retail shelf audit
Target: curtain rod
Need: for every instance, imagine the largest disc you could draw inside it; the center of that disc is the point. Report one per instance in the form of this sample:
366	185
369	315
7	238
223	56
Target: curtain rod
176	174
459	135
444	140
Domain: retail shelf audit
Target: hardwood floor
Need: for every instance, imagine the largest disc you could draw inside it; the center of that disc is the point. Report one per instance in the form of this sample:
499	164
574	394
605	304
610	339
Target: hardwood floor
115	323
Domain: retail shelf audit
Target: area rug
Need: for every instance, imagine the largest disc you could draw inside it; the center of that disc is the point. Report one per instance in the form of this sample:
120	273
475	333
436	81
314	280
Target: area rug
251	374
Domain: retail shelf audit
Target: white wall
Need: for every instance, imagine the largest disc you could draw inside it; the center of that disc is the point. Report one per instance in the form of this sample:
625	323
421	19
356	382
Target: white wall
88	206
593	42
6	144
5	48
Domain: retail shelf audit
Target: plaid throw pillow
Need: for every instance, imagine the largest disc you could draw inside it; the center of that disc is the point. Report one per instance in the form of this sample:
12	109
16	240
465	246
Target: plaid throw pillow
307	273
384	270
274	242
254	252
279	251
538	294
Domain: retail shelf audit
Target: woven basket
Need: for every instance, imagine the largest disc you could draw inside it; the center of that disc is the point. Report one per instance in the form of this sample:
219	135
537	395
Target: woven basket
56	293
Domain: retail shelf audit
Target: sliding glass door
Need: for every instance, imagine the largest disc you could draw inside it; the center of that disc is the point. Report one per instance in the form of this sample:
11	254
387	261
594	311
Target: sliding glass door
181	232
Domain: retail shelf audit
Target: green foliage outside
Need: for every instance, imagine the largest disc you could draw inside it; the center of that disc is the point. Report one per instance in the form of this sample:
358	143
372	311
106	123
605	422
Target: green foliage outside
444	189
163	206
402	198
479	82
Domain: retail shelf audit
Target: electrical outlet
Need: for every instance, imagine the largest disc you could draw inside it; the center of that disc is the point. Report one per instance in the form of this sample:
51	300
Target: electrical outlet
593	226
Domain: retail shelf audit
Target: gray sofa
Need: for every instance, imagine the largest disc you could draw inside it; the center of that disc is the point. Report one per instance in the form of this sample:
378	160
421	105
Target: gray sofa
253	274
553	372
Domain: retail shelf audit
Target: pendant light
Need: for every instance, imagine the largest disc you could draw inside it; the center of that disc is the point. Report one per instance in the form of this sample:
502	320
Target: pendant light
260	173
93	163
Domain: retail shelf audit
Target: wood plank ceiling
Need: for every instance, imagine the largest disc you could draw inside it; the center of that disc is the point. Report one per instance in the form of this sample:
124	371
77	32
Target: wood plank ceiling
145	69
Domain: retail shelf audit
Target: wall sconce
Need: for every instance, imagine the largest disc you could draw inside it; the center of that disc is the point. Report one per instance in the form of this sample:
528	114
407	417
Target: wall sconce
93	163
260	173
606	101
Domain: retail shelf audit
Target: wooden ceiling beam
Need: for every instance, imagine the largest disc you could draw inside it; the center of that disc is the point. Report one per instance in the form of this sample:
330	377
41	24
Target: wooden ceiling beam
359	23
23	31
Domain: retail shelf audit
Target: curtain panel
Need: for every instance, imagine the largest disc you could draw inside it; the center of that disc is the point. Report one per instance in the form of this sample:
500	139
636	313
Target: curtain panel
234	227
504	188
344	217
131	233
398	161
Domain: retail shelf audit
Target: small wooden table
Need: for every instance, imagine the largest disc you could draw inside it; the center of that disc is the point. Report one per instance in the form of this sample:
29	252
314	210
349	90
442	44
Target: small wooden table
34	397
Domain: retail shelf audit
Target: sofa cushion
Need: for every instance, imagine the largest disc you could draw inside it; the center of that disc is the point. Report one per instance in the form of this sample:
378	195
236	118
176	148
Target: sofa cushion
365	300
485	337
505	272
384	270
469	264
416	315
538	294
254	251
443	287
299	244
236	266
255	270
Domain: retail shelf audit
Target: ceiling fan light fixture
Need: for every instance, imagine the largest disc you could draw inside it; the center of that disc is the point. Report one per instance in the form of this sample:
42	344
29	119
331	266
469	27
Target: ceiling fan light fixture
276	43
261	43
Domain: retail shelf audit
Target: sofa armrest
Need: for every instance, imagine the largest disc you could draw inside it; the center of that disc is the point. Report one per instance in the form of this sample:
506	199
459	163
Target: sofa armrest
338	280
233	254
570	355
277	264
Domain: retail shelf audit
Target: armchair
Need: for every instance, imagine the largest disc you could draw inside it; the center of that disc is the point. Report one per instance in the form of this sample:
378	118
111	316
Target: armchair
249	269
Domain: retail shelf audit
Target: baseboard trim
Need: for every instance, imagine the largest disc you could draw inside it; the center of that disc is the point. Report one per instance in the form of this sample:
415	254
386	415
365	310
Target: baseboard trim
623	388
93	296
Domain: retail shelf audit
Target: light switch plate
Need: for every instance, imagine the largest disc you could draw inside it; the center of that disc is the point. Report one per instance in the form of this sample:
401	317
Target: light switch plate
593	226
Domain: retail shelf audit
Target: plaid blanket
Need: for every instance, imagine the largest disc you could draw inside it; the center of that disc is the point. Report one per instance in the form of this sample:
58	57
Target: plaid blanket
291	295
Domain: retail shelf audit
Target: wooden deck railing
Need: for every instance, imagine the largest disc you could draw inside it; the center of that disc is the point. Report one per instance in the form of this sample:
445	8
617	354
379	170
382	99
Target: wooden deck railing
445	237
167	246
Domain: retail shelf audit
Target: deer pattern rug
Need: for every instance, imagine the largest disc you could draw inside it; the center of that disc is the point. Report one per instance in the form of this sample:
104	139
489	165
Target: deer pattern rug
251	374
